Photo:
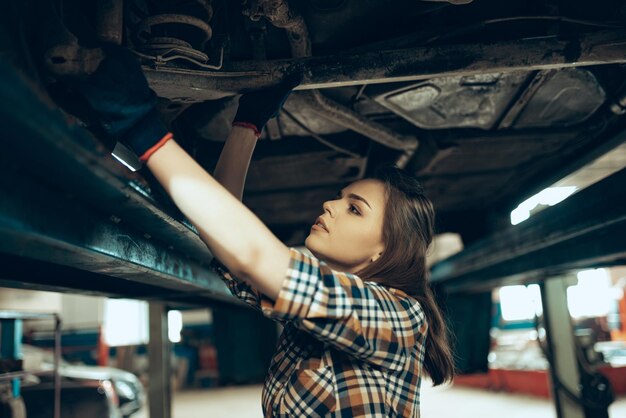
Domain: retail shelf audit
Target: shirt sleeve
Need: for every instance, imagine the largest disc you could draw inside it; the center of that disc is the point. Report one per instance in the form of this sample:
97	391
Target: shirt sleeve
363	319
241	290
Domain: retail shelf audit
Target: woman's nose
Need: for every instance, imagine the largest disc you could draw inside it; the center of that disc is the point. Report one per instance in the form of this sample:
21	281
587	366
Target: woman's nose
328	207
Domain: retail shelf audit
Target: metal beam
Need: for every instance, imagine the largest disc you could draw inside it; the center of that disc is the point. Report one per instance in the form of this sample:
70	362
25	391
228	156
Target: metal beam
564	366
38	140
159	351
66	203
347	69
585	230
45	225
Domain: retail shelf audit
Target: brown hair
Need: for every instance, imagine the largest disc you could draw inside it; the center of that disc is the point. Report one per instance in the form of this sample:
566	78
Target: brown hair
408	230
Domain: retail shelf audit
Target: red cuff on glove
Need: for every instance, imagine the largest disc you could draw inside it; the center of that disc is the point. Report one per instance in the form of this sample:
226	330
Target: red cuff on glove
156	147
249	126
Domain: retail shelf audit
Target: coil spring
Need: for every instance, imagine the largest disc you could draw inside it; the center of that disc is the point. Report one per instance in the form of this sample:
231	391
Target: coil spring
182	35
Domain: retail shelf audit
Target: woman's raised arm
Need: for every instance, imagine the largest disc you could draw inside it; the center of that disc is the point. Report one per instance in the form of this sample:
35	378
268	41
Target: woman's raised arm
233	233
119	92
232	166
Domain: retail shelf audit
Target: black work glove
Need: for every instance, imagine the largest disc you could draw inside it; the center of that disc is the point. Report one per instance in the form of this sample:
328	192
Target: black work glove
257	107
118	91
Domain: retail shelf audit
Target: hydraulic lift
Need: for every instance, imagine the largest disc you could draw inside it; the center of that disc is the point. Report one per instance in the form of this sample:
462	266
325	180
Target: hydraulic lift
90	228
584	231
577	391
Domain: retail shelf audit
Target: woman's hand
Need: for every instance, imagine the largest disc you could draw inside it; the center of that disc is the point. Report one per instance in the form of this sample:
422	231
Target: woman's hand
257	107
118	91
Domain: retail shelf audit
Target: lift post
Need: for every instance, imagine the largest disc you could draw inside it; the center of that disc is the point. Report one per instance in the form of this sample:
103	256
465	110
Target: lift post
567	373
159	348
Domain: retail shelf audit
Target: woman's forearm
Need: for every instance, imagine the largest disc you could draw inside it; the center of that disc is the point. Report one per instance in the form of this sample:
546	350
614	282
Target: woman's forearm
232	232
234	161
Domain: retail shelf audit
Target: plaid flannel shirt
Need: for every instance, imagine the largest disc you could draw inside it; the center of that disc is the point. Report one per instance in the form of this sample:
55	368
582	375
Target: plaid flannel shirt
349	348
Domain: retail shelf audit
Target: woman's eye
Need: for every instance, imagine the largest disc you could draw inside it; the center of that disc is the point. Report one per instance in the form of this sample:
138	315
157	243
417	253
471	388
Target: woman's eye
354	210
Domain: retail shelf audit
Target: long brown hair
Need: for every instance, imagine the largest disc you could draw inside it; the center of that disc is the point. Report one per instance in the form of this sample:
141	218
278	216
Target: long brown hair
408	230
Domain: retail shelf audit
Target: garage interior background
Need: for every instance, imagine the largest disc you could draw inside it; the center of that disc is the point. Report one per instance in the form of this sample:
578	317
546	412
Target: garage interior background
511	114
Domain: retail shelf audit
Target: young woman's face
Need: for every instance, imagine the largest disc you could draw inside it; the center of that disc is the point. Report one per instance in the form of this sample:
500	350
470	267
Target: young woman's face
348	236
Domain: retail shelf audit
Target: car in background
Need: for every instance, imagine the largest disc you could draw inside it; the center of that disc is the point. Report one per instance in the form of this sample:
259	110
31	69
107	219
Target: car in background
86	391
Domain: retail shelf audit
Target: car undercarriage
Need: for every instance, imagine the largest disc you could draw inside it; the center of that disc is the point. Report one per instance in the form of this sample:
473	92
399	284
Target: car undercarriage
481	101
486	102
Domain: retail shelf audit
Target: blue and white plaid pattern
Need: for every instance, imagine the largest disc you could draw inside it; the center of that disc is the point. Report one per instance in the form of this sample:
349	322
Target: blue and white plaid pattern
349	348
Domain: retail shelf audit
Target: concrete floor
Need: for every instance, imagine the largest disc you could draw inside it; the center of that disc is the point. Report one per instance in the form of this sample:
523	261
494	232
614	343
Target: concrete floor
444	402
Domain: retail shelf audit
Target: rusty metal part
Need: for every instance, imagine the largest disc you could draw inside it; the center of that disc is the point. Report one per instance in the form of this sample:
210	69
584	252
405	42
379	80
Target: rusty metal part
110	18
166	37
62	54
411	64
72	60
279	14
144	29
342	115
536	81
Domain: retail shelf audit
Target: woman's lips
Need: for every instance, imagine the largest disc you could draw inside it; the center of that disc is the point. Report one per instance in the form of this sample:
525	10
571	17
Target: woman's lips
321	222
319	227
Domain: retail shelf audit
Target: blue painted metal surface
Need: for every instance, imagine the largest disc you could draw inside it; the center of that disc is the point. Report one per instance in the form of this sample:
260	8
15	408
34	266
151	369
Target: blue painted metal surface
586	230
67	203
11	346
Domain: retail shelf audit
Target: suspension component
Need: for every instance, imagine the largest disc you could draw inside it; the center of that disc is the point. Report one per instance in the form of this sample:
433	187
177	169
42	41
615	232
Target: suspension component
182	34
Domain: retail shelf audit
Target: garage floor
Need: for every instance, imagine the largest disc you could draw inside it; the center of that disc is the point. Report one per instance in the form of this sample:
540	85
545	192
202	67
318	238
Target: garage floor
448	402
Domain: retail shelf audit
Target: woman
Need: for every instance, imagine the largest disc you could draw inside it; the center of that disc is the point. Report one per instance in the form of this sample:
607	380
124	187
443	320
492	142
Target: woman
360	322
